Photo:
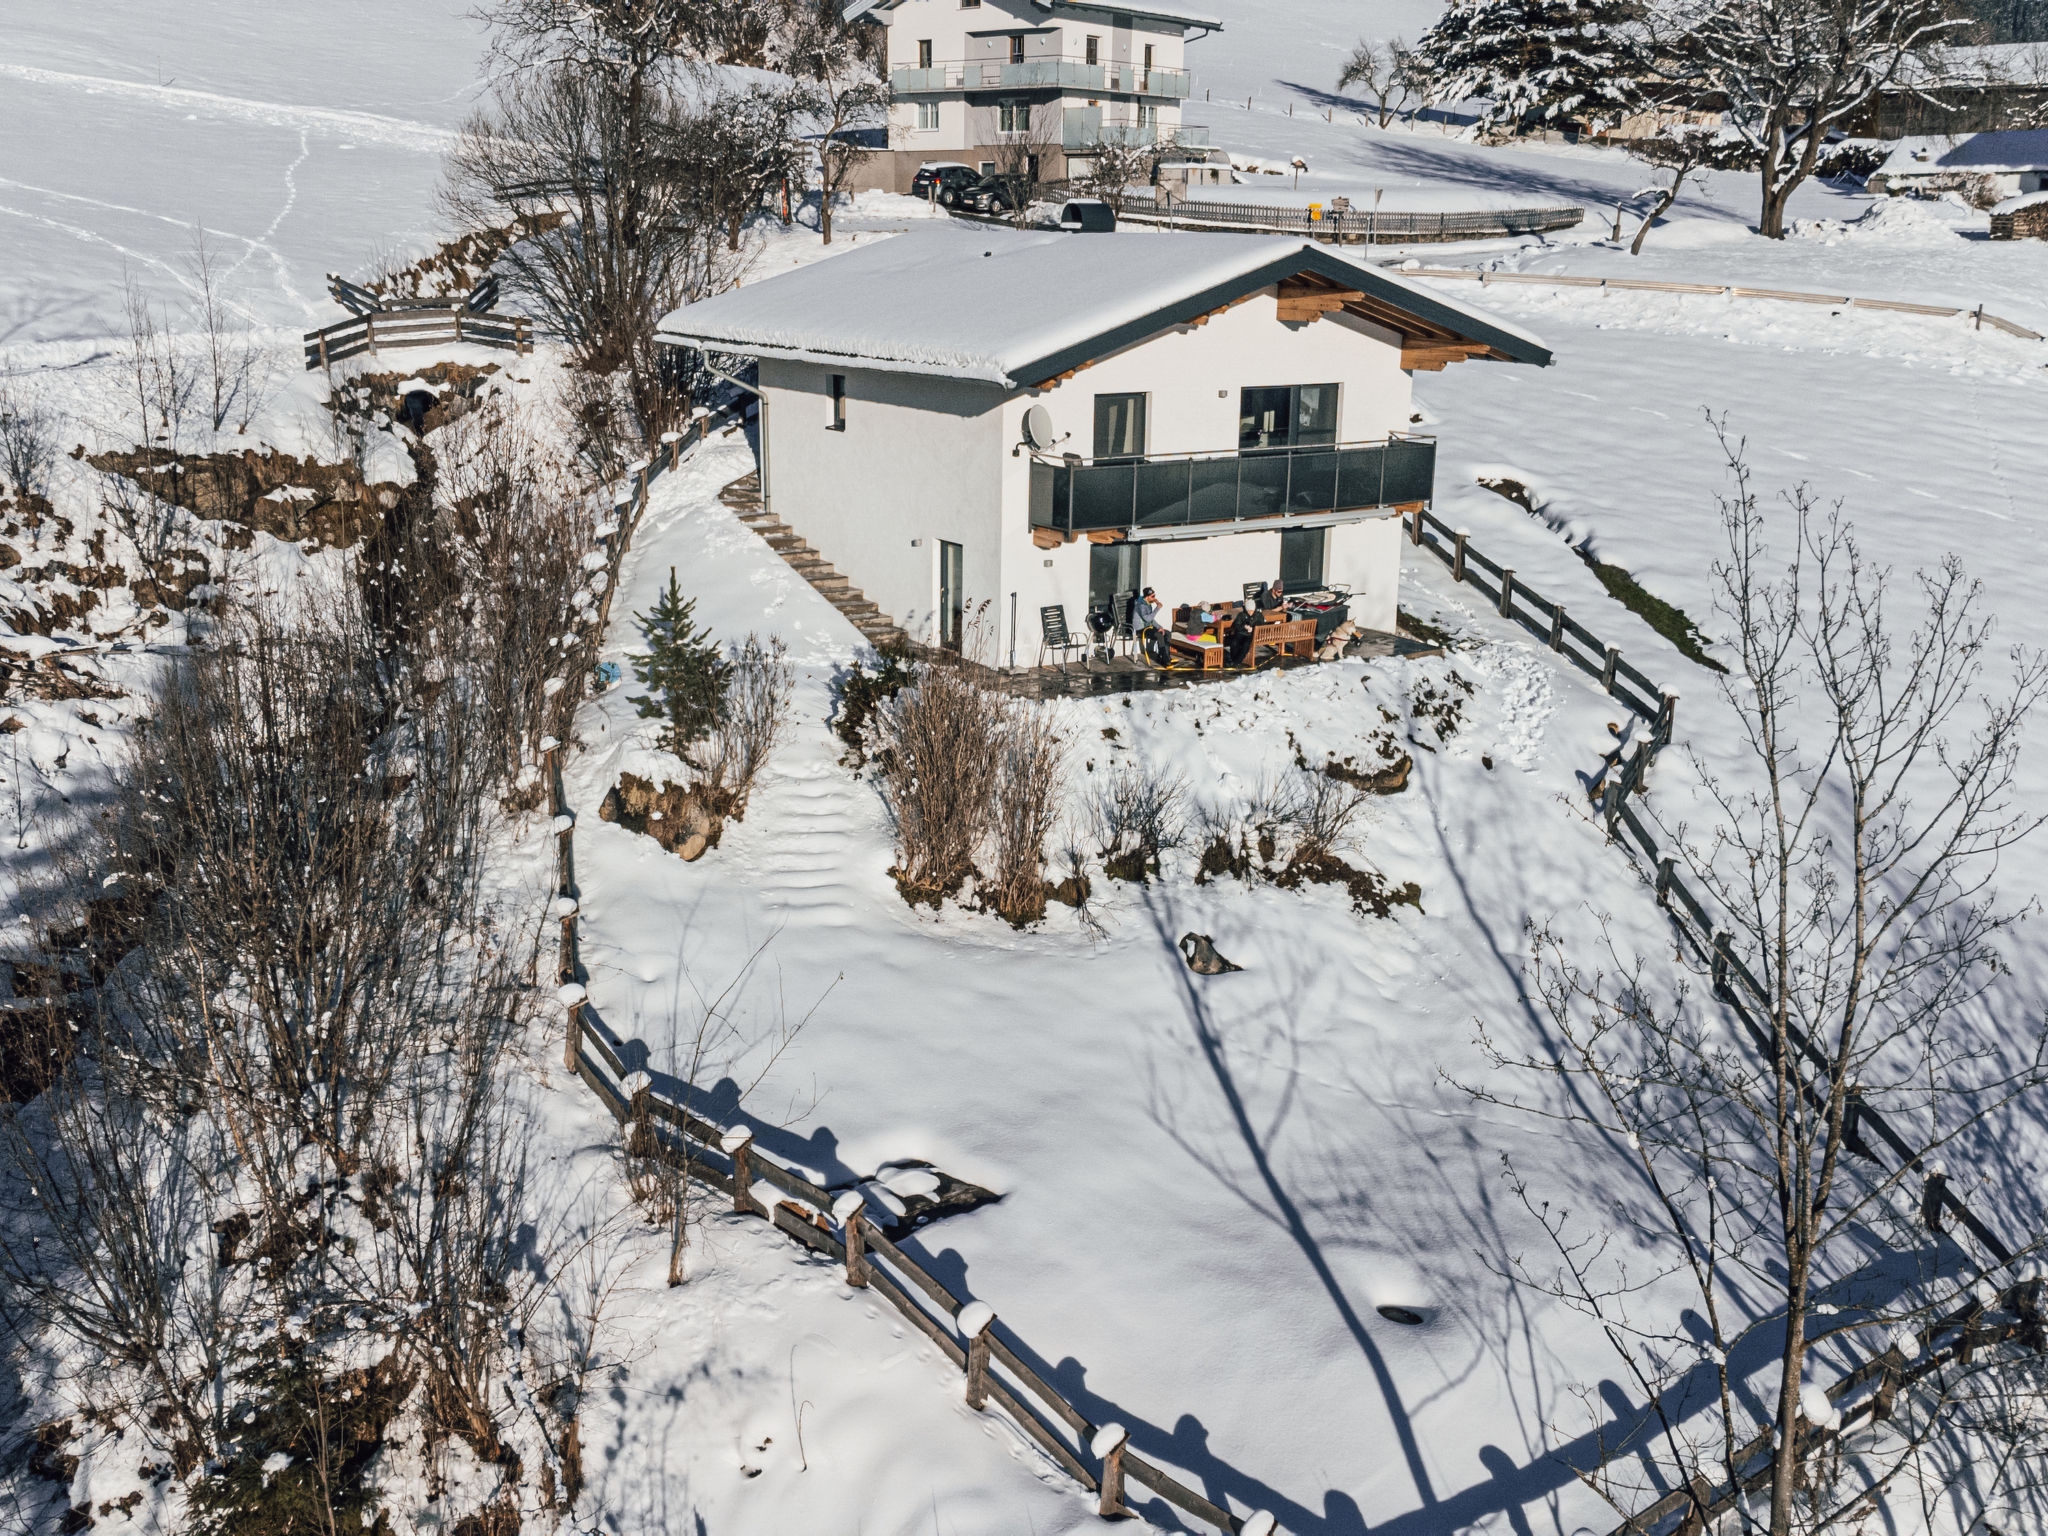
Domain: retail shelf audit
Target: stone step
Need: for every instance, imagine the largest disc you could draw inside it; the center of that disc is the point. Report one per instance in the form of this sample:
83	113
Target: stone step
862	607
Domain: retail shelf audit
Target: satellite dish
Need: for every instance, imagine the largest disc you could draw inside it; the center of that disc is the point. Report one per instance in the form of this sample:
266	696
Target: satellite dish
1038	428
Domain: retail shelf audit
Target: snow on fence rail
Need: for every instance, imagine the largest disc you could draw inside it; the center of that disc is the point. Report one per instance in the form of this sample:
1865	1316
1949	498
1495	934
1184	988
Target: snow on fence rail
1098	1457
1352	225
1980	315
417	326
1736	986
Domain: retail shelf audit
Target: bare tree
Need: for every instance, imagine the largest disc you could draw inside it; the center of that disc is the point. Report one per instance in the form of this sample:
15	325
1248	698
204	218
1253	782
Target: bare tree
1853	865
1794	71
1024	157
234	366
28	442
1687	151
1114	166
1388	73
838	65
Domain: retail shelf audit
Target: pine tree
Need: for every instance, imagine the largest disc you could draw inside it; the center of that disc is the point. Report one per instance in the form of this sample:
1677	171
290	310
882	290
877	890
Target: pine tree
682	670
1534	62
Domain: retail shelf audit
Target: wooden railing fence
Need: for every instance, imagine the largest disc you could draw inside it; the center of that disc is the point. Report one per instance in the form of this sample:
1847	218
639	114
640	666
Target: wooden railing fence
416	326
1620	779
1351	225
1097	1456
1981	316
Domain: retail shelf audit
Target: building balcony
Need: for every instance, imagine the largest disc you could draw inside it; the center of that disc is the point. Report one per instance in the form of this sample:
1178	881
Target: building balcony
1186	495
1083	128
1061	74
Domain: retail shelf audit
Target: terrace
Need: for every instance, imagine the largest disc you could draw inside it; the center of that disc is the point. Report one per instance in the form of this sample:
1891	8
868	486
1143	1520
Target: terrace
1025	74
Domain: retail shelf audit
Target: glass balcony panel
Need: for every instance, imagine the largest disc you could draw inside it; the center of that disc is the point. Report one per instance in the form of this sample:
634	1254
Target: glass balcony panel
1163	493
1312	480
1358	476
1102	496
1411	470
1262	484
1212	490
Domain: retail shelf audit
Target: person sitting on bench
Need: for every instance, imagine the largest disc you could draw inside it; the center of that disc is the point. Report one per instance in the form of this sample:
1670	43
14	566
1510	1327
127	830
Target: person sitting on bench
1237	639
1152	637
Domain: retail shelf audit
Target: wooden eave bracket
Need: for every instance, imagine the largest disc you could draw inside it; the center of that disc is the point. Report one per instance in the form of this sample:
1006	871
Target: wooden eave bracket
1435	356
1301	301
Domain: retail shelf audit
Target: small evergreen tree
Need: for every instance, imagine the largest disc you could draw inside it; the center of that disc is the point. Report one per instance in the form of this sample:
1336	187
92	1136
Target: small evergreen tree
683	672
1534	62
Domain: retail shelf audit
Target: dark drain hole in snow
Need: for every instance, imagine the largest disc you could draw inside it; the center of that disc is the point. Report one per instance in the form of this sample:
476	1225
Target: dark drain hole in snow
1399	1315
908	1194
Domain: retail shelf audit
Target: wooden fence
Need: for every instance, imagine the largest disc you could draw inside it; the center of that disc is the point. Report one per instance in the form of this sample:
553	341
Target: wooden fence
1353	225
993	1361
1621	779
419	325
1980	315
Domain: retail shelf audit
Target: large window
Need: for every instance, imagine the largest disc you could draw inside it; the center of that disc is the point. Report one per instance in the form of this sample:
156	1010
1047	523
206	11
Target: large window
1013	117
924	53
1287	416
1119	426
1301	557
928	117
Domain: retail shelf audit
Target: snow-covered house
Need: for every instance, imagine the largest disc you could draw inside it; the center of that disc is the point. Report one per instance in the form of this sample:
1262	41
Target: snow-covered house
1986	167
965	417
985	82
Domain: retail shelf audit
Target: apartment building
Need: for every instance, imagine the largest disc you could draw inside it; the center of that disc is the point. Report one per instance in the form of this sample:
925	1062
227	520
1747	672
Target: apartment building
992	82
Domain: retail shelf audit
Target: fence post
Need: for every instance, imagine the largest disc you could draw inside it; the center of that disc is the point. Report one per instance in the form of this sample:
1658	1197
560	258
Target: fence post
1720	967
1458	554
1415	536
1507	592
1666	868
1557	626
1615	790
458	324
571	996
1666	718
739	1146
370	330
1108	1444
1607	668
974	1320
846	1211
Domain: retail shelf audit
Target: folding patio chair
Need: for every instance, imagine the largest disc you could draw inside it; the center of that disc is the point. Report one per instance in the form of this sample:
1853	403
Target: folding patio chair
1120	613
1054	636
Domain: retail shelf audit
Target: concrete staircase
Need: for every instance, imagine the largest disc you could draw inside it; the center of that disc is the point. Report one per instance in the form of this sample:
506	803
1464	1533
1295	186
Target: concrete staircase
880	631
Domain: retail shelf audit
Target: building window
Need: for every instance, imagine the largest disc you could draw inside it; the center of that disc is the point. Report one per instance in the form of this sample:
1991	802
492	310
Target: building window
1013	117
1148	58
988	167
970	5
1119	426
1303	415
1094	50
837	421
1017	50
928	117
924	53
1148	117
1302	552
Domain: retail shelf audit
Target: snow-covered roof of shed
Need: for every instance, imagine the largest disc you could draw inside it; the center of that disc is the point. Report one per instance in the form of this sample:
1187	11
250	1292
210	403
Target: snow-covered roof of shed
2024	200
1016	309
2019	149
1146	8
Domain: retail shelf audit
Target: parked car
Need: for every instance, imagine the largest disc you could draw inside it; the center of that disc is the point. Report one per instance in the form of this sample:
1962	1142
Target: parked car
994	194
949	177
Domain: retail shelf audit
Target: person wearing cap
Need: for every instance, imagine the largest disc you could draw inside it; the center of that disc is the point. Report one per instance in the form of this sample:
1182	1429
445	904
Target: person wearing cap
1150	633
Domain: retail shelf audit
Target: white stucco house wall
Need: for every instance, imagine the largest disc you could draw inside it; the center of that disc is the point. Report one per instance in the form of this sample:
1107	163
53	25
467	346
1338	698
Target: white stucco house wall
1051	77
1224	409
1987	167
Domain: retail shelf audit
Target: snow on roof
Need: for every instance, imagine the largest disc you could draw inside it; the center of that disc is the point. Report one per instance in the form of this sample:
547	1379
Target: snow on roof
2024	200
1985	64
855	9
1015	308
2022	149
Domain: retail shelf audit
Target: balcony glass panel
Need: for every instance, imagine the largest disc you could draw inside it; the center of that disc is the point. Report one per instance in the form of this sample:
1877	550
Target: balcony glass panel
1411	468
1212	490
1358	476
1312	480
1262	485
1163	493
1102	496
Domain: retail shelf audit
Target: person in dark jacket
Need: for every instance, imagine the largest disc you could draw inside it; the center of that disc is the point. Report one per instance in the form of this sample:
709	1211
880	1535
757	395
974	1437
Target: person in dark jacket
1237	639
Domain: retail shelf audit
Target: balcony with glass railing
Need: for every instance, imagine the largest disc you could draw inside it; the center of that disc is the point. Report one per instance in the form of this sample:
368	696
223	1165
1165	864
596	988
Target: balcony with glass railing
1084	128
1027	74
1230	492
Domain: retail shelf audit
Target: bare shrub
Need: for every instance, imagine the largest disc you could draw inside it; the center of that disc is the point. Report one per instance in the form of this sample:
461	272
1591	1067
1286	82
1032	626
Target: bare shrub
1029	773
751	717
1140	812
1322	812
938	746
28	441
235	368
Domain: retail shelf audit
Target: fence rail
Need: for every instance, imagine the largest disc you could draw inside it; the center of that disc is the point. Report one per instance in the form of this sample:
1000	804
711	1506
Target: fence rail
421	326
1980	315
1352	226
1620	779
726	1160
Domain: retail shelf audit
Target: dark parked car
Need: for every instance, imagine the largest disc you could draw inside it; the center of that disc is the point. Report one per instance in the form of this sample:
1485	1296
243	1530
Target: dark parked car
994	194
949	177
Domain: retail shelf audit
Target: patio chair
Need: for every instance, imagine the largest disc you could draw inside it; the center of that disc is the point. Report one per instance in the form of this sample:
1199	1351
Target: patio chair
1054	636
1120	612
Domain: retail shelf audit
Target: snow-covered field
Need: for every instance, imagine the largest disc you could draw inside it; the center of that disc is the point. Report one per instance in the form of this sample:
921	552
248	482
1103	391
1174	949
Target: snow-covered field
1209	1187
